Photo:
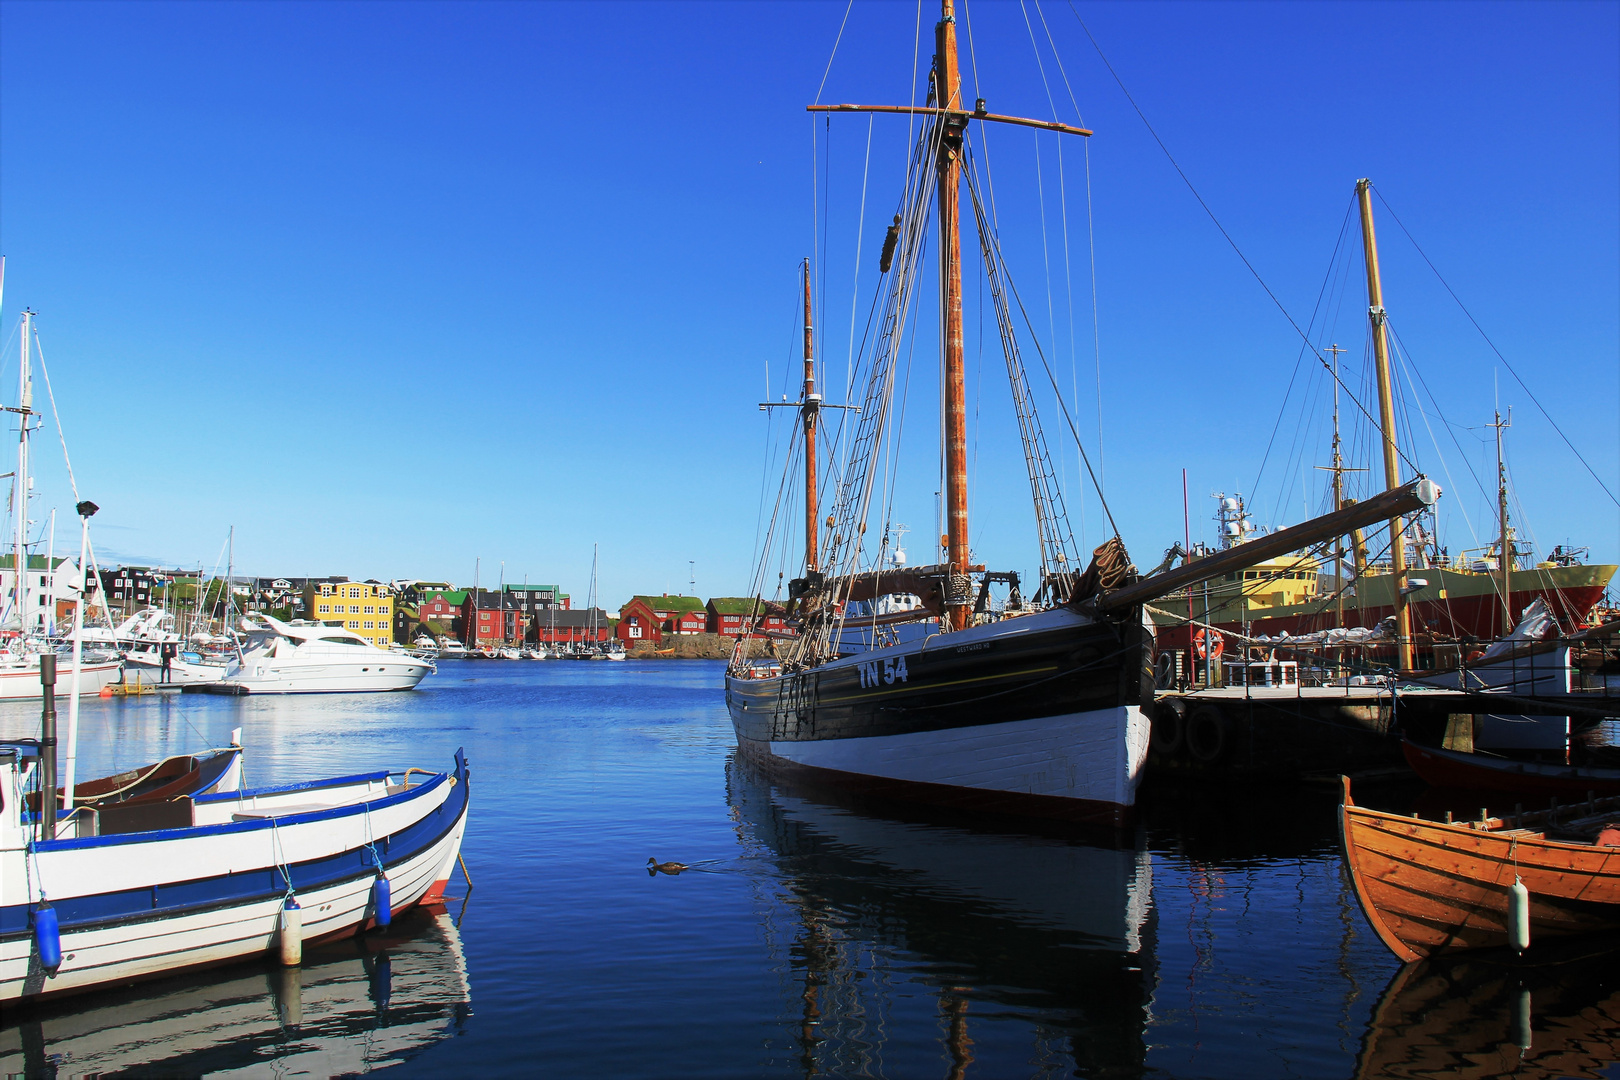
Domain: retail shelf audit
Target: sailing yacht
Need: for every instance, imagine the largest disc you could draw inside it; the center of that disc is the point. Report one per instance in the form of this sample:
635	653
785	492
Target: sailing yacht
25	626
312	658
1039	705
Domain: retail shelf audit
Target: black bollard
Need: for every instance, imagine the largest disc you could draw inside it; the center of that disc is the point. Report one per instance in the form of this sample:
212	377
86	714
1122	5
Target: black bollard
47	746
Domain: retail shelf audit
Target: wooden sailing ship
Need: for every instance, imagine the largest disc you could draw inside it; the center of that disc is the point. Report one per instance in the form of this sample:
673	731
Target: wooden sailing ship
1430	887
1039	707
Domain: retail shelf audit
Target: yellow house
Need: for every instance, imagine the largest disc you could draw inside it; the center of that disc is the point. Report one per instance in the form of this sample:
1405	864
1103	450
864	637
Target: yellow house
366	609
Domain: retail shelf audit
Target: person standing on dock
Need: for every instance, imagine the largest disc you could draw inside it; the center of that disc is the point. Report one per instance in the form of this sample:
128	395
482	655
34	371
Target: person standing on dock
167	652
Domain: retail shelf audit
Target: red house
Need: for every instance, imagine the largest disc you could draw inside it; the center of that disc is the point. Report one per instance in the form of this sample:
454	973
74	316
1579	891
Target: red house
649	618
742	616
442	607
489	619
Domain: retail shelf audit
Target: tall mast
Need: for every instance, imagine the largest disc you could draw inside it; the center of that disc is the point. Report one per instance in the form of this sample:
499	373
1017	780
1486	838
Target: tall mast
19	502
810	408
1386	419
948	168
1504	559
230	574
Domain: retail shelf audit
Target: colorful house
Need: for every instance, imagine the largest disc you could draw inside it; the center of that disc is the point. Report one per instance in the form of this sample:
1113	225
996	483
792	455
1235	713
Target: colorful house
366	607
491	619
742	616
442	608
655	616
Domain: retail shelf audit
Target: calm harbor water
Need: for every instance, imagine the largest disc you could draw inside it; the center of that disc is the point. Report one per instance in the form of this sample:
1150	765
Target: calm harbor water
815	935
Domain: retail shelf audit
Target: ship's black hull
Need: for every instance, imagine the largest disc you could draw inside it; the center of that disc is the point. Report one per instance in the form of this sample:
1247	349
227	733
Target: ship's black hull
1039	714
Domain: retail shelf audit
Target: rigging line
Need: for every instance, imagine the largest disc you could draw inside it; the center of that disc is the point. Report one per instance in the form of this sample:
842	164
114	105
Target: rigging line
1511	369
1091	236
1057	57
1436	403
826	184
834	53
43	370
1300	358
1046	257
1035	341
1407	369
1217	222
1063	207
1096	326
973	57
855	281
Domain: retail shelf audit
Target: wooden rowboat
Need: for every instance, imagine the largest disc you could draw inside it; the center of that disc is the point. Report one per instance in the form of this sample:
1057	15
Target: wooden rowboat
1480	772
1429	887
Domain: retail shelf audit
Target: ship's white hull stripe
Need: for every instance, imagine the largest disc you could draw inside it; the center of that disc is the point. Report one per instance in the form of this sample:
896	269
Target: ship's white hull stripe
1095	755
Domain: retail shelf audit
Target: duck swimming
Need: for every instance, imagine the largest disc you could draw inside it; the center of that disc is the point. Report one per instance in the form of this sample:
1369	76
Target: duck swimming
670	868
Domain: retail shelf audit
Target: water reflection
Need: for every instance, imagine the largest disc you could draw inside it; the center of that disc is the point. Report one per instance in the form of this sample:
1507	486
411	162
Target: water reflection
1487	1016
884	900
355	1005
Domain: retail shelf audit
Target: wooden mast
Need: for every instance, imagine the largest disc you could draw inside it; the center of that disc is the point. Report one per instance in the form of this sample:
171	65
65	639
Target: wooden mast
1504	554
810	408
948	168
952	116
1386	419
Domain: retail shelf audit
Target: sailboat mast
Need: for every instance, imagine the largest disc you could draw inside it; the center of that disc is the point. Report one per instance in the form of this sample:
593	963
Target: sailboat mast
812	401
19	502
1504	559
1386	420
948	168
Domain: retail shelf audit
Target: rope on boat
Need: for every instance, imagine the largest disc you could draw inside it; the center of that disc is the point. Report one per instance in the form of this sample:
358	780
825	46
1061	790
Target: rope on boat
279	853
371	844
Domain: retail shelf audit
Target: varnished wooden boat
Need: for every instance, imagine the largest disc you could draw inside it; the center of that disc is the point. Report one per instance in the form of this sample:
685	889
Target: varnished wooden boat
1480	772
1429	888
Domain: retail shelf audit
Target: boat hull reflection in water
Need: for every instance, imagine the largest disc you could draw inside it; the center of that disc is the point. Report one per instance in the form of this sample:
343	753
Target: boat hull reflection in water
355	1005
989	921
1467	1017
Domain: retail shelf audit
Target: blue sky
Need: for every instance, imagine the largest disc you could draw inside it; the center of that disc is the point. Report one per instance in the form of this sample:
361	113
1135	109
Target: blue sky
393	287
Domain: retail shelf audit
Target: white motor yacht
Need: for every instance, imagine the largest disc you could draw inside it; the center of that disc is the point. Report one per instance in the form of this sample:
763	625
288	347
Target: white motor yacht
451	649
312	658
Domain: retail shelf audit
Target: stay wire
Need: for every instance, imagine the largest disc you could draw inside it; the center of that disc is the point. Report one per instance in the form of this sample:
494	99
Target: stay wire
1511	369
1333	261
1034	339
834	53
1217	221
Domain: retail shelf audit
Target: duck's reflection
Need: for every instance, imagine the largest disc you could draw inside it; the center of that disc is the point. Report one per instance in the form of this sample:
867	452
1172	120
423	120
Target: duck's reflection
1487	1016
355	1005
884	899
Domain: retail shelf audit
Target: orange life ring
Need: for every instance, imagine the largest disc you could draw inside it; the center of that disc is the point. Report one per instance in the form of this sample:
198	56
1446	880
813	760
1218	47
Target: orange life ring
1209	644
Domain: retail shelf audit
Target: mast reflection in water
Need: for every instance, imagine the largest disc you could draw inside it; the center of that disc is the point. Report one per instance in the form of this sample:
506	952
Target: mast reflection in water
356	1005
988	921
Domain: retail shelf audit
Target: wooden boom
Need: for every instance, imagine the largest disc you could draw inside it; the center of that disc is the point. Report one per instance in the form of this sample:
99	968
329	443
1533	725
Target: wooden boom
976	114
1414	496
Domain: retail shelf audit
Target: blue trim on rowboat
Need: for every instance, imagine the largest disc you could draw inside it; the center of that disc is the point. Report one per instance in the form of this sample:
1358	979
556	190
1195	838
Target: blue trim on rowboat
174	899
310	785
159	835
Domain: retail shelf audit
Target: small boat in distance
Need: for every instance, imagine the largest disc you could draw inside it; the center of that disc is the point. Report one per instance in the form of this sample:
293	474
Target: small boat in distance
1430	887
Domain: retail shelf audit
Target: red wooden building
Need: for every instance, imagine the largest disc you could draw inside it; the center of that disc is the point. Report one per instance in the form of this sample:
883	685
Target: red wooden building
742	616
649	618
